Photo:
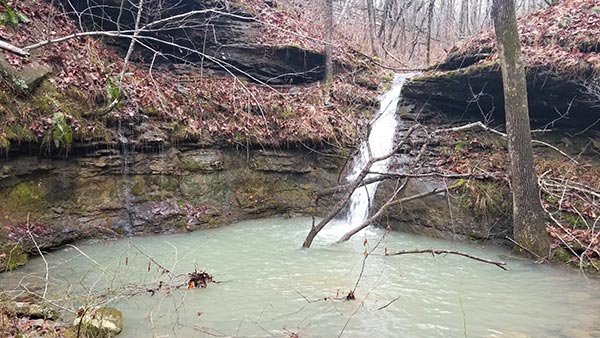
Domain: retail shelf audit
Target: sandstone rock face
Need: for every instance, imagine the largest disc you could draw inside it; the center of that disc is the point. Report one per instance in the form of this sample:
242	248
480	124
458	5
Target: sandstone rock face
218	36
476	91
177	189
441	215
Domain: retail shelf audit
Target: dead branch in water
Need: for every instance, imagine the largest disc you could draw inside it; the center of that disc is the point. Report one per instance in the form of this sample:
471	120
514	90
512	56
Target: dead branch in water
499	264
355	184
382	176
392	202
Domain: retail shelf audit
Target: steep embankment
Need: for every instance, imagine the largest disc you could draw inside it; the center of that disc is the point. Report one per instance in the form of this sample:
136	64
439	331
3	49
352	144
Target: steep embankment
199	135
169	89
562	56
561	47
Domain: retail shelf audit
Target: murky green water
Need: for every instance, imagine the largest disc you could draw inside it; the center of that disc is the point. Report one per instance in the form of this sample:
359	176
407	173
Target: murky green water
271	288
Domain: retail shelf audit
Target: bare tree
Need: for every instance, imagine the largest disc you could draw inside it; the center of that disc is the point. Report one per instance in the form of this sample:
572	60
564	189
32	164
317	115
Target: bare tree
429	22
371	14
328	79
402	26
528	215
464	18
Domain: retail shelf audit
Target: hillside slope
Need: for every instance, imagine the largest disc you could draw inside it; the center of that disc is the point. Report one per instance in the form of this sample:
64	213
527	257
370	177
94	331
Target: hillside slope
173	97
561	47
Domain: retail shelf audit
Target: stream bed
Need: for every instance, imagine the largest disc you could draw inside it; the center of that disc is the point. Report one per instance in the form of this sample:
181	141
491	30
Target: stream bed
270	287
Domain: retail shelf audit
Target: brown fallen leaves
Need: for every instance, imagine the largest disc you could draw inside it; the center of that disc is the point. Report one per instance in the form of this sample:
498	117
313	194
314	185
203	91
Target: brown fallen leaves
199	279
565	36
213	109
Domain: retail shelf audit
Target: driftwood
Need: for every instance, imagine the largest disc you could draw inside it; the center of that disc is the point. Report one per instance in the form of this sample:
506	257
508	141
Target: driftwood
198	279
499	264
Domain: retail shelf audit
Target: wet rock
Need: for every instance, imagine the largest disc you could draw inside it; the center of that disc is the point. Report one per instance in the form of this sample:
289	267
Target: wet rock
440	215
202	160
331	161
154	215
280	162
170	191
100	322
34	311
150	138
477	92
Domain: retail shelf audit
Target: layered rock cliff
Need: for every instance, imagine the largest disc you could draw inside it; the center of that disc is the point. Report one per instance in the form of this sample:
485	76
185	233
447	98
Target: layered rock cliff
560	48
196	139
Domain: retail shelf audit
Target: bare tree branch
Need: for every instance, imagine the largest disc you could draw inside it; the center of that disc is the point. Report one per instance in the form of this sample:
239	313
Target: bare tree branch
391	202
499	264
492	130
14	49
355	184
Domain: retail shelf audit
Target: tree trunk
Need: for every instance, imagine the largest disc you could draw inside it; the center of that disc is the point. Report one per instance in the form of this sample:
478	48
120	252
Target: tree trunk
384	19
463	24
528	215
344	9
328	78
371	13
429	20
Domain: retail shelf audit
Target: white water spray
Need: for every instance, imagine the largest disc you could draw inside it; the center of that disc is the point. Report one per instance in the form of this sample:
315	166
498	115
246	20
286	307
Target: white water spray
381	142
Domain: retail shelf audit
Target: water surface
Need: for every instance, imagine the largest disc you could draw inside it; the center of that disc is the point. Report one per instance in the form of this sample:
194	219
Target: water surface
270	287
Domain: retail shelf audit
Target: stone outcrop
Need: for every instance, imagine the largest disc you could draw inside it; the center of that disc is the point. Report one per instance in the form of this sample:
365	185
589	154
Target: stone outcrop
27	79
476	91
220	35
177	189
441	215
33	310
102	322
561	61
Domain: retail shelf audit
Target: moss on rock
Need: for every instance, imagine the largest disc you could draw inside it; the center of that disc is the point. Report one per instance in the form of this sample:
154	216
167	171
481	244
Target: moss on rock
12	256
561	255
28	195
486	198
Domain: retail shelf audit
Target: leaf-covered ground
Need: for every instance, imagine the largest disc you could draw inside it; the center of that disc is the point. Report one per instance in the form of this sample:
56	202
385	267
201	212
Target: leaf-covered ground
192	106
565	36
570	186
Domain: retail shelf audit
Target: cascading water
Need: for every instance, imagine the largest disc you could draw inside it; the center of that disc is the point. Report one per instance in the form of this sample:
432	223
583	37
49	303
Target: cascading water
380	142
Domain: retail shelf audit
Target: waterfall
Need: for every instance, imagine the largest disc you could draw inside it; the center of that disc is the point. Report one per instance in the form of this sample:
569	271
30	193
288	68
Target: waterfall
380	141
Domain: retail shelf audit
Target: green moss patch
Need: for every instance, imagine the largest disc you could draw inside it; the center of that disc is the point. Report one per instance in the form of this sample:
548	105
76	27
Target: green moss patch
486	198
28	195
12	256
